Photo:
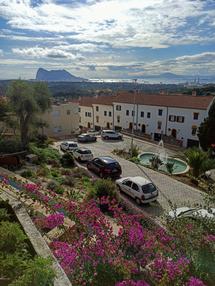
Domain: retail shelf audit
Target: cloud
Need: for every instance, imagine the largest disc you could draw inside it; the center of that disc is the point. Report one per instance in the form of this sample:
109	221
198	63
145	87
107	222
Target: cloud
45	52
119	23
1	52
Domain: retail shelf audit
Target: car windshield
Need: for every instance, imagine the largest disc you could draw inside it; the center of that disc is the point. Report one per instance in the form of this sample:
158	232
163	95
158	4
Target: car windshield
73	145
85	152
190	211
114	165
149	188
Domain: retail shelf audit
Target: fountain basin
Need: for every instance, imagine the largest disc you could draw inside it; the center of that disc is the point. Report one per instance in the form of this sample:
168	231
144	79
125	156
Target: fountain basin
180	166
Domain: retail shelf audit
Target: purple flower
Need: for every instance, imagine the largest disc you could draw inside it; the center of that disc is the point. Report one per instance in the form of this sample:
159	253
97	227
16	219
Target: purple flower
193	281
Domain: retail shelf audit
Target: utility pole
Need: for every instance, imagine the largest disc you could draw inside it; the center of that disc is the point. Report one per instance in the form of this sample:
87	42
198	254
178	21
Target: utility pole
134	102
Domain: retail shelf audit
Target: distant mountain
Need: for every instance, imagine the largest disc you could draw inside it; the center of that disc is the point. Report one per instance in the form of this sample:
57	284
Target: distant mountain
57	75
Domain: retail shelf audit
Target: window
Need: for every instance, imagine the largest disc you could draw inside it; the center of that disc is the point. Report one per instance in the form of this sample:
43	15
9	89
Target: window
172	118
180	119
133	113
79	109
68	112
105	113
194	130
89	114
97	119
159	124
160	112
110	113
97	108
86	114
195	115
118	107
135	187
127	183
142	114
127	112
118	119
148	114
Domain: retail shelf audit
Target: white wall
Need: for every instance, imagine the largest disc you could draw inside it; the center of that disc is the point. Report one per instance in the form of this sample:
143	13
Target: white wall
103	120
84	118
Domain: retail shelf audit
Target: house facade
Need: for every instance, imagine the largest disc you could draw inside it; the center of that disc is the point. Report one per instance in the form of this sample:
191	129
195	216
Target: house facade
175	117
62	119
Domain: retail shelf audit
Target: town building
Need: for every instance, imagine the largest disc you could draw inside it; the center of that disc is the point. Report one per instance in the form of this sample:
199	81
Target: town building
62	119
173	117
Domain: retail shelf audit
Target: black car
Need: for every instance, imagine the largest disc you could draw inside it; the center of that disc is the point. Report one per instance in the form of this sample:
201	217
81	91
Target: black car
85	138
105	167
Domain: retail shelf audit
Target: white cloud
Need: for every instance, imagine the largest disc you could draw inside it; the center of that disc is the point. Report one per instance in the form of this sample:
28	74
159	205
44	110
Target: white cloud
1	52
120	23
45	52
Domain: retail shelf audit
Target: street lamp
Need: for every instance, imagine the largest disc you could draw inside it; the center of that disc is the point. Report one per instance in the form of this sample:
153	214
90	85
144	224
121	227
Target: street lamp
134	102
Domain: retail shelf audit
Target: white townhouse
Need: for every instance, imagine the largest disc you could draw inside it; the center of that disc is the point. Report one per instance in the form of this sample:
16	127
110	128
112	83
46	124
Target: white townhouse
173	117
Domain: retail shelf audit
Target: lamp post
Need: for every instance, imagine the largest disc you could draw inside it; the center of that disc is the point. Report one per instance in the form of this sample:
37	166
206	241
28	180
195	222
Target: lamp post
134	102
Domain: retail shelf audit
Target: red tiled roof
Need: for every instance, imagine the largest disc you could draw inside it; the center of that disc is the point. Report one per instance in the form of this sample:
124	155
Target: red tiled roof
172	100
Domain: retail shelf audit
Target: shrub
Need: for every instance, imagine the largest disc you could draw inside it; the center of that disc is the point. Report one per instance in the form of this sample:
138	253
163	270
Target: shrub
80	172
37	272
27	174
170	167
45	155
134	151
69	181
41	140
52	185
43	171
10	146
59	190
67	160
103	188
196	158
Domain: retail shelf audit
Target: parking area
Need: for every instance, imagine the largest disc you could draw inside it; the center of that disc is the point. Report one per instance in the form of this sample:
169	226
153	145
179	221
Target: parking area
172	192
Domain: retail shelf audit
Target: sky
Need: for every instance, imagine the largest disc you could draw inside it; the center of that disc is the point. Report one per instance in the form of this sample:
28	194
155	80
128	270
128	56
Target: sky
107	38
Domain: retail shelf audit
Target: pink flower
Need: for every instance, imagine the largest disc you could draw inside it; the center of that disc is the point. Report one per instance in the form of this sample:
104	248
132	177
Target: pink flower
195	282
132	283
54	220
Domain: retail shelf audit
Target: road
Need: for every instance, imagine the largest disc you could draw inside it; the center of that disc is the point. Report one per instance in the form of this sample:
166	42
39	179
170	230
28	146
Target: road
171	190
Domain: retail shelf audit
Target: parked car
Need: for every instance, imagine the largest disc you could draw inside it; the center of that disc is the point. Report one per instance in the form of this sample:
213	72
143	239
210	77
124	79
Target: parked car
194	213
85	138
68	146
110	134
105	167
139	188
93	132
82	154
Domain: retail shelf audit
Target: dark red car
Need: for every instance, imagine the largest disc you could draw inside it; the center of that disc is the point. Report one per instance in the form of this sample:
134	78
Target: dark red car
105	167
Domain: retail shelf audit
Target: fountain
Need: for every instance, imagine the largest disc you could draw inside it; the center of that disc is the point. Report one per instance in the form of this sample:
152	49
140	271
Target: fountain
163	162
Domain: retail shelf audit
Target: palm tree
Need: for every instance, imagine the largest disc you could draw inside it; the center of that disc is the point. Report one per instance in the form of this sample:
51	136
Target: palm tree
196	158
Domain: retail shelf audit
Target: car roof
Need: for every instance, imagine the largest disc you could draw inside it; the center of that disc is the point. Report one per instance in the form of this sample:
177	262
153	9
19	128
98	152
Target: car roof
108	130
139	180
69	142
84	134
107	159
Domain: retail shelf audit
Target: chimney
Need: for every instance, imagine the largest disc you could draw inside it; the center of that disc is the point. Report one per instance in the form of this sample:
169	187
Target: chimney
194	93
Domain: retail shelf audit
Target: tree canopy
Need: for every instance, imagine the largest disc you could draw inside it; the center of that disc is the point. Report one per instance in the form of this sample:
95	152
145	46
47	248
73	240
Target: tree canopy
206	132
27	100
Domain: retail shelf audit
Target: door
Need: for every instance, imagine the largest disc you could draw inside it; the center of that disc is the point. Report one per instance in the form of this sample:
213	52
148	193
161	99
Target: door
96	165
127	187
143	128
108	125
135	192
173	133
88	125
130	125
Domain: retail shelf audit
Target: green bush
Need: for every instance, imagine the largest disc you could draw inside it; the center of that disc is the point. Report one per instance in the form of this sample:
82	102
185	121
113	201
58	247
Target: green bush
69	181
10	146
52	185
27	174
134	151
45	155
38	272
67	160
103	188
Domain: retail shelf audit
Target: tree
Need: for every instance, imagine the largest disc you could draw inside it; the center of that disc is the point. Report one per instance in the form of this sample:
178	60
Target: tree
198	161
26	101
206	132
3	114
41	124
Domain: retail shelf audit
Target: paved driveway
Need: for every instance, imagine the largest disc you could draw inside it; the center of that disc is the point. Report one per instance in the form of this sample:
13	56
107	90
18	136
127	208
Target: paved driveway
170	190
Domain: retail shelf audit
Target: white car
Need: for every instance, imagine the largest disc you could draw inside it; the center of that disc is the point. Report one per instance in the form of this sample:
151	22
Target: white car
82	154
68	146
110	134
184	212
140	188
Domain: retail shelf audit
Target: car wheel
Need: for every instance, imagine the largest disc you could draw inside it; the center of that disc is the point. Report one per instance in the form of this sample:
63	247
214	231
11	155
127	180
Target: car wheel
106	137
138	201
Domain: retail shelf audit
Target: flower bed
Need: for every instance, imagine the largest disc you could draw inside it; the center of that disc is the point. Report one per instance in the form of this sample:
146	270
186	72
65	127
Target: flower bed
90	251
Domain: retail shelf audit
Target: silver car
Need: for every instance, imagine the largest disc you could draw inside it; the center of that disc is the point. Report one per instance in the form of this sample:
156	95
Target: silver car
110	135
68	146
139	188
